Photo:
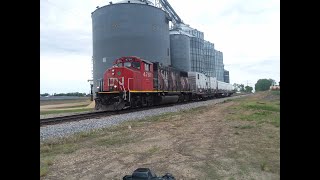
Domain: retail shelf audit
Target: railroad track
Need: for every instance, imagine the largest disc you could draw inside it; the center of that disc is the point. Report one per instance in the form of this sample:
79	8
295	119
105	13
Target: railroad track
75	117
97	114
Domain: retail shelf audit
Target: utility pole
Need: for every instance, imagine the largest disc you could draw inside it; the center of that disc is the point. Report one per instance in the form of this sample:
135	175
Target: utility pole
91	86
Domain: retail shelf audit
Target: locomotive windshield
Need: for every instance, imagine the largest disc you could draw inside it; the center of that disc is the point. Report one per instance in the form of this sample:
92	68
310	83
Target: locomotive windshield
119	65
127	64
136	65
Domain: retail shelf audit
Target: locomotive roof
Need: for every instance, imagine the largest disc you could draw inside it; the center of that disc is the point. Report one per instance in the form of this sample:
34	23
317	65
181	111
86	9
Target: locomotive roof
149	62
146	61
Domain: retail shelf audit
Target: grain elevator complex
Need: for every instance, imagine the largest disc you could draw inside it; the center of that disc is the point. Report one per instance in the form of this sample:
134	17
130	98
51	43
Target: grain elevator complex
153	31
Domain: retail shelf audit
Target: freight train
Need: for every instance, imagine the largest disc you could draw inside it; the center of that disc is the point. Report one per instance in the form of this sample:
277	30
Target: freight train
133	82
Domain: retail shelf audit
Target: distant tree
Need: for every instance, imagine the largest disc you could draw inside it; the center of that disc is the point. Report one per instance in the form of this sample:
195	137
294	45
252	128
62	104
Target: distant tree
248	89
45	94
273	82
71	94
263	84
236	86
241	87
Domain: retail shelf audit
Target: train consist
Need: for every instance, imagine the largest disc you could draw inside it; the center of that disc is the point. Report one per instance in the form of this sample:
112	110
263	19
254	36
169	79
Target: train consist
134	82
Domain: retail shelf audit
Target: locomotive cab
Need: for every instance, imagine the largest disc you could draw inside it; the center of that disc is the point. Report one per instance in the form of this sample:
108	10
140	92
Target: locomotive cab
127	74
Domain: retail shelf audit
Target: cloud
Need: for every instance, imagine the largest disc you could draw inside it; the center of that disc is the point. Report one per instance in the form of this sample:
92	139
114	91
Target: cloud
62	41
252	72
65	73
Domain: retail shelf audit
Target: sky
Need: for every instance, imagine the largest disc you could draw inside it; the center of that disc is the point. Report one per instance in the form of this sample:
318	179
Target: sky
246	31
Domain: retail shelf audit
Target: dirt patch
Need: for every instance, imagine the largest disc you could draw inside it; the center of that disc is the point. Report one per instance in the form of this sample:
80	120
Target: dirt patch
67	108
91	105
195	144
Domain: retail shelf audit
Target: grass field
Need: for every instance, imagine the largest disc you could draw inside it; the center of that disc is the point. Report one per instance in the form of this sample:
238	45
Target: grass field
65	111
58	106
63	101
238	139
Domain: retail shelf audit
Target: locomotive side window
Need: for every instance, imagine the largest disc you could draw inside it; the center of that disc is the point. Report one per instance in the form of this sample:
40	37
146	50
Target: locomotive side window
119	65
136	65
147	67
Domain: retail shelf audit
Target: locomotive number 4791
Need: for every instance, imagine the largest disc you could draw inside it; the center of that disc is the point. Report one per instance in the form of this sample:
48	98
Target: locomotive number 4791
147	74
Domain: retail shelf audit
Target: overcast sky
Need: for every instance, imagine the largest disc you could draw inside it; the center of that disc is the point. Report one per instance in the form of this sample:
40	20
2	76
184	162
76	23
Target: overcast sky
246	31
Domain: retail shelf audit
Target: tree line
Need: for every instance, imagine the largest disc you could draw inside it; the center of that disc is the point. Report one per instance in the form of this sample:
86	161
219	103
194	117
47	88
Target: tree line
242	88
66	94
264	84
261	85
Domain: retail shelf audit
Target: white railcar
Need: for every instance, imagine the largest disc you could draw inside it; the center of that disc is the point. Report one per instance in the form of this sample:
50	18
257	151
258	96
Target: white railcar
199	83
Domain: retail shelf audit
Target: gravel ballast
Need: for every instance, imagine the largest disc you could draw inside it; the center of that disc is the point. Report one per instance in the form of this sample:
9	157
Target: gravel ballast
69	128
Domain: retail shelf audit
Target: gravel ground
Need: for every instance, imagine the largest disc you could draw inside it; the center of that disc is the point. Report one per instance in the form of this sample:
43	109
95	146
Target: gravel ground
69	128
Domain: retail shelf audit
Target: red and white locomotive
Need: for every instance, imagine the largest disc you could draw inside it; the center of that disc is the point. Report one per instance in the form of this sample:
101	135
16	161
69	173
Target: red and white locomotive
134	82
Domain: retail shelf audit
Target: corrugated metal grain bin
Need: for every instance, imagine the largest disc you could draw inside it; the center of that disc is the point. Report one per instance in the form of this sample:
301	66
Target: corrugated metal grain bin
129	29
226	76
209	58
180	50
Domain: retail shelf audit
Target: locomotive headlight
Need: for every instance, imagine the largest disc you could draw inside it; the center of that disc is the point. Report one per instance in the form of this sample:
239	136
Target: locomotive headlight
112	73
98	87
115	86
112	70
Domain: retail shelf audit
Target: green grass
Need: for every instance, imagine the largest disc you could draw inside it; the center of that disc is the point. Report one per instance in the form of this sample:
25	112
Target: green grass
51	148
210	172
110	137
153	149
43	170
44	165
63	148
228	100
161	117
75	106
65	111
63	101
257	110
114	136
266	107
244	127
118	139
264	166
275	93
